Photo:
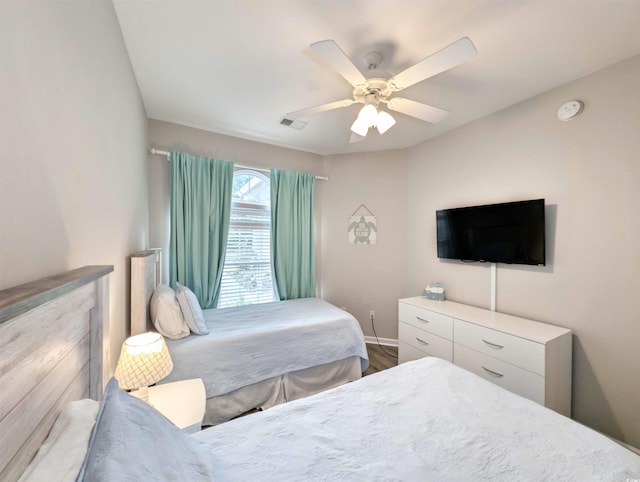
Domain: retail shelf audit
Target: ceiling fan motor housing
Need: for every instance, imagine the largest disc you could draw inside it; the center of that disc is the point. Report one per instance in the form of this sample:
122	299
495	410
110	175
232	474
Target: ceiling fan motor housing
373	87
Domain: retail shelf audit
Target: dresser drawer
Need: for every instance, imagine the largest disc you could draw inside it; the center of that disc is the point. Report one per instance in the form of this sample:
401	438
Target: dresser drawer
407	353
424	342
431	321
517	351
514	379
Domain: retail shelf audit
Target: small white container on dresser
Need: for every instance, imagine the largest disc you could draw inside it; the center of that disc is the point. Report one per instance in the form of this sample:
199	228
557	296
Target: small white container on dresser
527	357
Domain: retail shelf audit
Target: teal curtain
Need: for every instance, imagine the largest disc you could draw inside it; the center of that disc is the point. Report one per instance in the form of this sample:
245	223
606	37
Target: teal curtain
292	238
200	208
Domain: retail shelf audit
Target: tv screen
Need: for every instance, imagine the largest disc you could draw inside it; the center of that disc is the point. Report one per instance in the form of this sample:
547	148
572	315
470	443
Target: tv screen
510	233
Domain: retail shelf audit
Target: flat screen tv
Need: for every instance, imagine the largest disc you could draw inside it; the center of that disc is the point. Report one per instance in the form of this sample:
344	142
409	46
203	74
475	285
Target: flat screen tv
510	233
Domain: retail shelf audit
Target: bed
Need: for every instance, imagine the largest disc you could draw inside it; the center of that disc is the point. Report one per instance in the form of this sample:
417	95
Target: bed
54	348
256	356
422	420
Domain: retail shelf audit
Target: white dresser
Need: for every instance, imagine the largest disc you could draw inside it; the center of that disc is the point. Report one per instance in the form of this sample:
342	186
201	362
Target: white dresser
530	358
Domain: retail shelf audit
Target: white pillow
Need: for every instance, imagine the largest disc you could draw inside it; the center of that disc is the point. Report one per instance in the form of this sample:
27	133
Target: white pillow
191	310
166	314
61	455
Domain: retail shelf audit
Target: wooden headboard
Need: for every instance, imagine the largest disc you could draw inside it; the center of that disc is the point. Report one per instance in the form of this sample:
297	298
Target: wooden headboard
146	273
54	348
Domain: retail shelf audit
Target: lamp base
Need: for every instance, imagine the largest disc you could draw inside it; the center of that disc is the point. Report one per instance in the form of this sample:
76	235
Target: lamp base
143	394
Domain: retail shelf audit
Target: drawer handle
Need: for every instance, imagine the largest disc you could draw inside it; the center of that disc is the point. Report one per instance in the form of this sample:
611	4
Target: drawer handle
493	345
492	373
422	320
422	341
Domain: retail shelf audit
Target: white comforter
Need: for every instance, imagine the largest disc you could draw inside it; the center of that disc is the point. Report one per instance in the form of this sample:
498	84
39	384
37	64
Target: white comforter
425	420
248	344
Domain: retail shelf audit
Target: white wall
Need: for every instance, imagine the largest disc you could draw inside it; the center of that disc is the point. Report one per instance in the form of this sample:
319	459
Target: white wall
366	277
167	136
588	170
73	180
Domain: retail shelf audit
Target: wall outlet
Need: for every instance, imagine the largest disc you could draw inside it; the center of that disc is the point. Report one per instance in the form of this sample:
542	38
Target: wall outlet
372	314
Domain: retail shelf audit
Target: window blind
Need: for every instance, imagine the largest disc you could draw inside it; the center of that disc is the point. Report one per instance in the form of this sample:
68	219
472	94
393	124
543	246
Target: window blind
246	278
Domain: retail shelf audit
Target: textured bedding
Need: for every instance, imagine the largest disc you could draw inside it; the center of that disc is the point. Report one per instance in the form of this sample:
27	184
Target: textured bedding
248	344
424	420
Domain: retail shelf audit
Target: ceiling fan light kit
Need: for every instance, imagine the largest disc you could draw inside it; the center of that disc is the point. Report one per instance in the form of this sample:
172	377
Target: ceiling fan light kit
370	116
371	92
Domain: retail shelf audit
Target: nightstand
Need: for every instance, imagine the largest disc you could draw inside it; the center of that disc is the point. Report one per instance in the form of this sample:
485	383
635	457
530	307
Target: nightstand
181	402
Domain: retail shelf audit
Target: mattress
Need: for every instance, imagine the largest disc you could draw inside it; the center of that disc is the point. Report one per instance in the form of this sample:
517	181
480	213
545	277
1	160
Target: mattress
423	420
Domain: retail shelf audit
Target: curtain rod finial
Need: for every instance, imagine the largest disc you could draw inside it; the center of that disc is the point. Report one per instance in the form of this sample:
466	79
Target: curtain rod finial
158	152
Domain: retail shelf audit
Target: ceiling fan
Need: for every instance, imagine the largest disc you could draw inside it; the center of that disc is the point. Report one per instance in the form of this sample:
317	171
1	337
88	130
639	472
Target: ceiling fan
379	90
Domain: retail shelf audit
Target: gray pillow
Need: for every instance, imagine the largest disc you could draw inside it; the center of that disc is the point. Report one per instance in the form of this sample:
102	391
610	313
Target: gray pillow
132	441
191	310
166	313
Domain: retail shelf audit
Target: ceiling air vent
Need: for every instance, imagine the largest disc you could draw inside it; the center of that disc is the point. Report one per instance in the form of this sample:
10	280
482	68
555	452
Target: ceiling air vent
296	124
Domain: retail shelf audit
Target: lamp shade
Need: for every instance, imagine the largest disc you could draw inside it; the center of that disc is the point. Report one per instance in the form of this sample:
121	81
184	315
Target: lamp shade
384	122
366	118
144	359
360	127
368	114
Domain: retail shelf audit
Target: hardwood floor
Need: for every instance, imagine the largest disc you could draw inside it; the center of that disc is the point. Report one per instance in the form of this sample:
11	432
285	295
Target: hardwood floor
379	359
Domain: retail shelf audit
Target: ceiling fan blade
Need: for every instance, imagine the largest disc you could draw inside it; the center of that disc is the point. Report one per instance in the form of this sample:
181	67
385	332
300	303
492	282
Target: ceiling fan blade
333	55
451	56
415	109
321	108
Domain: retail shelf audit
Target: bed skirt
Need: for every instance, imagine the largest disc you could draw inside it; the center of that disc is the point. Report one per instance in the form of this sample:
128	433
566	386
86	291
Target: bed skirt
281	389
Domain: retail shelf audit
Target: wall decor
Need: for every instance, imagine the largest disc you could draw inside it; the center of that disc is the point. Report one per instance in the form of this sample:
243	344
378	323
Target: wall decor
362	227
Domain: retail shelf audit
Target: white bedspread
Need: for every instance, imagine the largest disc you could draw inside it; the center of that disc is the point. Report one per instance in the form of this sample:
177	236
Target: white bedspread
424	420
249	344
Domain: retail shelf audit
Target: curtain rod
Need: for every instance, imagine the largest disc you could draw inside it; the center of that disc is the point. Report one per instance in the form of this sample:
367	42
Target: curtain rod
159	152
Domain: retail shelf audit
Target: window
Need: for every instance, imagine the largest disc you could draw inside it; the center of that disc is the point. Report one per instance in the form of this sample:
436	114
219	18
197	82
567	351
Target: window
246	278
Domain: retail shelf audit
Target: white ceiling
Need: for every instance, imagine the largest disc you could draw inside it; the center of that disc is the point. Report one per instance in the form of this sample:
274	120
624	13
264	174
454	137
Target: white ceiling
236	67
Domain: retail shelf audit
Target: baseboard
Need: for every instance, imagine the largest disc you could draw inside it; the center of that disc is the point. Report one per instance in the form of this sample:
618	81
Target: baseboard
383	341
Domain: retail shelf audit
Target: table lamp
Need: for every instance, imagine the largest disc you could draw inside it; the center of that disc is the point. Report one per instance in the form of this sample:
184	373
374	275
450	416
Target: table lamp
144	360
